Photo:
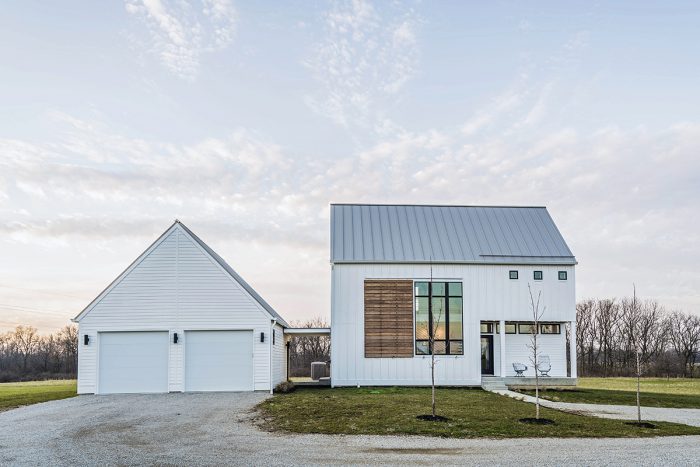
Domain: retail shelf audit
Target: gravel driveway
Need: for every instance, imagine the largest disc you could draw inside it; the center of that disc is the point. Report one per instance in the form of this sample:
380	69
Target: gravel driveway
215	429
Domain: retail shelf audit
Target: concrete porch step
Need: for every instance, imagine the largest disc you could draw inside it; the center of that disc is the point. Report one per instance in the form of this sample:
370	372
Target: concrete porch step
493	383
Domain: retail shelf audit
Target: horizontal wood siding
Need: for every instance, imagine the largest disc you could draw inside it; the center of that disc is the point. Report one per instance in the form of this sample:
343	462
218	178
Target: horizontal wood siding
177	287
388	318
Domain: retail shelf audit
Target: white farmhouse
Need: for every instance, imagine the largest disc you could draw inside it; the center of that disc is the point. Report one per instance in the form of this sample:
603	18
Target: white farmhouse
453	280
406	281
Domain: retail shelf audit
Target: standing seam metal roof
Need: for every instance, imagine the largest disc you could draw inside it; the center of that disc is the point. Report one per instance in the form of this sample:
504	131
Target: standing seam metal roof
445	234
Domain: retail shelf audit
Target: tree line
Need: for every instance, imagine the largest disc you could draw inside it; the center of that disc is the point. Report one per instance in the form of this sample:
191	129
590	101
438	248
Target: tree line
26	355
610	332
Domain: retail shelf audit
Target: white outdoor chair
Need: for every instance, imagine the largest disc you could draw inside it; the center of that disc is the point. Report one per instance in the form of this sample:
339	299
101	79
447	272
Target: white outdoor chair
544	366
519	369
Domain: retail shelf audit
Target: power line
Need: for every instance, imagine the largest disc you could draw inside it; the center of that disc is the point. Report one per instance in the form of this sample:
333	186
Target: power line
46	292
23	309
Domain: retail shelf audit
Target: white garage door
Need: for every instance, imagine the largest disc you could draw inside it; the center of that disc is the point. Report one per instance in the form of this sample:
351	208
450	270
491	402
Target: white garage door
219	361
133	362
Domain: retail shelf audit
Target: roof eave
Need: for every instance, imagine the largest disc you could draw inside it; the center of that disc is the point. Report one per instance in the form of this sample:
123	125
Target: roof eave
484	263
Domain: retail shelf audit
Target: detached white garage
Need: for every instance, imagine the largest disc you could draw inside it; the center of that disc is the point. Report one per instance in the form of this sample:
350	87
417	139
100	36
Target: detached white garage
179	318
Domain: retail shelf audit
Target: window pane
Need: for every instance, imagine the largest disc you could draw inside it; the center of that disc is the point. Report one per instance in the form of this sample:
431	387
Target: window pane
456	348
525	328
422	324
513	274
421	304
562	275
440	329
440	347
421	288
550	329
486	328
538	275
455	318
438	310
422	348
455	289
438	289
510	328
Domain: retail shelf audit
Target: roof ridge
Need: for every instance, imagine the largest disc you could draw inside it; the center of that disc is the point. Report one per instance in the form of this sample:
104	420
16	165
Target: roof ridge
503	206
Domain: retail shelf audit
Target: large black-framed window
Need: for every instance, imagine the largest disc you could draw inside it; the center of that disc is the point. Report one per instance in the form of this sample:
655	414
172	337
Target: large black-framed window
439	317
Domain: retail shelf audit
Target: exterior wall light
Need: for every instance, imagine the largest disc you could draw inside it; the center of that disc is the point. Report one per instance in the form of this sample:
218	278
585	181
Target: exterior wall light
86	339
175	338
262	337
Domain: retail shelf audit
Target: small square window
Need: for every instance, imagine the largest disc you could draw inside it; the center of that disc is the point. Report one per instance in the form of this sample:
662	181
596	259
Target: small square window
513	274
537	275
487	328
562	275
510	328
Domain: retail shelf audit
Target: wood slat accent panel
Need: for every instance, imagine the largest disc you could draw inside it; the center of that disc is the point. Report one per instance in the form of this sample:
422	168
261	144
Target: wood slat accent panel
388	318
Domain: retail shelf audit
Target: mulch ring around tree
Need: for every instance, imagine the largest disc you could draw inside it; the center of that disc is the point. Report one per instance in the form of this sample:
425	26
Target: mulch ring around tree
431	418
537	421
642	424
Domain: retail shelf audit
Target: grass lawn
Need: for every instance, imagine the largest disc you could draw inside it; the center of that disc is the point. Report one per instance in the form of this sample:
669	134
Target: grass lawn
473	413
16	394
655	392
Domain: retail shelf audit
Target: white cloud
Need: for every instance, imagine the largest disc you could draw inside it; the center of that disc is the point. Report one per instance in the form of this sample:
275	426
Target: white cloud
366	57
625	199
181	31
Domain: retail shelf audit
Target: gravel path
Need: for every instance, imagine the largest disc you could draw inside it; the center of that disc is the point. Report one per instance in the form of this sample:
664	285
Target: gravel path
216	429
620	412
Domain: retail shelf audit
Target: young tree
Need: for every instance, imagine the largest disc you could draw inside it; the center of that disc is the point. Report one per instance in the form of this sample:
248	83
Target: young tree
437	317
534	348
635	332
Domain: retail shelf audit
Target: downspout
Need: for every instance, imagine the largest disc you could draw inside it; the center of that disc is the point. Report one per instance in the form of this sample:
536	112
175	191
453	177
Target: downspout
271	339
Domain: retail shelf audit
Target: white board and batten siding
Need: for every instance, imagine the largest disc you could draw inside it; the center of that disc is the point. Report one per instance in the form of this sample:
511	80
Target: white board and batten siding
488	295
176	287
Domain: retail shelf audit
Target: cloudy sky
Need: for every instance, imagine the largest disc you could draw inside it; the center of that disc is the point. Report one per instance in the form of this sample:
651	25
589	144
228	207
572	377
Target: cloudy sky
246	120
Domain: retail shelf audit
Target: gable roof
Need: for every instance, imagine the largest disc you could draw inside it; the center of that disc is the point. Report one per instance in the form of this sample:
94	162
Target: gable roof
380	233
214	256
235	275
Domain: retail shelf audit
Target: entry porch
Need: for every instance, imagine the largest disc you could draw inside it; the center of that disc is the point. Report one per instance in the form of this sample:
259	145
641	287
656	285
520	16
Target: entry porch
506	352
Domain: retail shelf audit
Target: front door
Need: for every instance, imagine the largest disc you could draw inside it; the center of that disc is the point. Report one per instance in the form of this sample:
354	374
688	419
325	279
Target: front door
486	355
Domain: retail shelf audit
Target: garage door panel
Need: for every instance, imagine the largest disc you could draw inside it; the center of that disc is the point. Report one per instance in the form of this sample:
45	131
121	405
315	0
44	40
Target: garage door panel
218	361
133	362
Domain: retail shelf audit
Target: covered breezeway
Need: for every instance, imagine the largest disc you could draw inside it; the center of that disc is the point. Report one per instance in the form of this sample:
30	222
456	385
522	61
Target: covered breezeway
308	356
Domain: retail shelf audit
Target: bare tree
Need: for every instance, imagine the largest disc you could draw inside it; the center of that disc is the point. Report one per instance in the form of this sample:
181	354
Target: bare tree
24	354
684	334
585	334
635	340
437	318
534	349
26	339
68	342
